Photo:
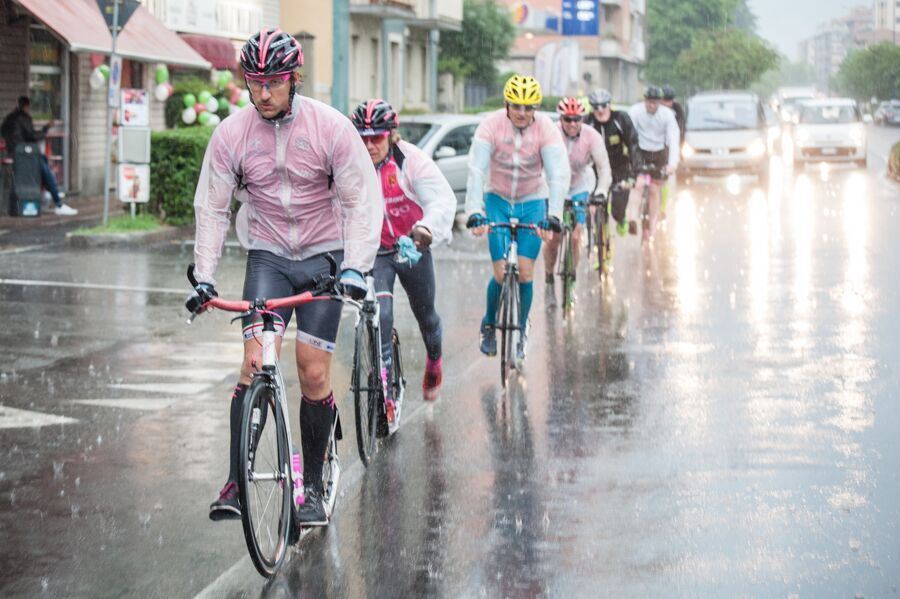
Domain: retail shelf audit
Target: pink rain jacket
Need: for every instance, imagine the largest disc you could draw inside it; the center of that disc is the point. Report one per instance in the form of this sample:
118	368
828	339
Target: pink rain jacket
584	150
307	182
514	163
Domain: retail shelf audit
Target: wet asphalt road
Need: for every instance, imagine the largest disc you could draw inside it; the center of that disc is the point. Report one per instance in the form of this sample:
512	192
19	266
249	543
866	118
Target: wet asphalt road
720	419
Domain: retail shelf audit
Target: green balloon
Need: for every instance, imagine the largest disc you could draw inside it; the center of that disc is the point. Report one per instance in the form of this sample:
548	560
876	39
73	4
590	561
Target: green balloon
223	104
224	79
203	97
104	68
189	100
162	74
242	102
203	118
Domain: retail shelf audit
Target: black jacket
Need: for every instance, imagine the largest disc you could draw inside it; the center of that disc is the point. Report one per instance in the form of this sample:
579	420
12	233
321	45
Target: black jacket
621	143
679	118
17	128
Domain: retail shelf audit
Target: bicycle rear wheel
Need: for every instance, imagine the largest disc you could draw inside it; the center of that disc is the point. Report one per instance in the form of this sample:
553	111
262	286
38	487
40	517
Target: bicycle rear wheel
264	482
368	401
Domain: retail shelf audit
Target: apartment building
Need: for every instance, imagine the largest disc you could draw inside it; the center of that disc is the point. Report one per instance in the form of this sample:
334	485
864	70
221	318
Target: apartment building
834	40
886	20
565	59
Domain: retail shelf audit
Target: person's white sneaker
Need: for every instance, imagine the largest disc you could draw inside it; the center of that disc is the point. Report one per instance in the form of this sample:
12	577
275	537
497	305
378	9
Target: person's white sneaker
66	210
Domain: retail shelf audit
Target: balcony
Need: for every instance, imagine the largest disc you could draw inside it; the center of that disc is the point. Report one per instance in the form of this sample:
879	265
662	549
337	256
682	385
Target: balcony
612	3
610	48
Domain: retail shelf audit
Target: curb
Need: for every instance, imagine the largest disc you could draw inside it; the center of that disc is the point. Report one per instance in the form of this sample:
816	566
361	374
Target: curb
136	238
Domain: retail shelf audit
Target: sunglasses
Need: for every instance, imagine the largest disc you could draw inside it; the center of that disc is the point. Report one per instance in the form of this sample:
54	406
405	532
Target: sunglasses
376	138
603	106
522	107
276	83
571	119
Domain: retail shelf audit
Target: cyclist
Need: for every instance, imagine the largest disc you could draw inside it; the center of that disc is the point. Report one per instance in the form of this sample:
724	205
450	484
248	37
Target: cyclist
309	188
657	130
669	101
511	149
621	146
418	204
586	149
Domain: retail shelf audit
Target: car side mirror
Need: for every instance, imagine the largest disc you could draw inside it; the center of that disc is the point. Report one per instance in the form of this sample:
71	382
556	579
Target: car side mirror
444	152
867	118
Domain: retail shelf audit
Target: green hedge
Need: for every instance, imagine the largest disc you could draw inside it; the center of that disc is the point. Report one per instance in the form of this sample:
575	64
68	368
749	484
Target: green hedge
894	162
175	160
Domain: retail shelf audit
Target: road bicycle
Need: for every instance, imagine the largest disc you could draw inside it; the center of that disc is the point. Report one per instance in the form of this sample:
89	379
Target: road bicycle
646	175
508	310
600	221
377	411
270	480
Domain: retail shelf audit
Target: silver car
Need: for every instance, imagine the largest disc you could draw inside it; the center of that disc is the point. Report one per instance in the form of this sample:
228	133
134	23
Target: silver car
446	138
829	130
727	132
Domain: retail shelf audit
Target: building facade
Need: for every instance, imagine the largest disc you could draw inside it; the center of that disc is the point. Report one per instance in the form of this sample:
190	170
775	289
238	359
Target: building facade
575	64
834	40
886	20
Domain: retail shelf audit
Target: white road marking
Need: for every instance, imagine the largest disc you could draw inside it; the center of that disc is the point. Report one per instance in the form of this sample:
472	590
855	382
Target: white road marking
168	388
14	418
204	374
147	405
24	248
37	283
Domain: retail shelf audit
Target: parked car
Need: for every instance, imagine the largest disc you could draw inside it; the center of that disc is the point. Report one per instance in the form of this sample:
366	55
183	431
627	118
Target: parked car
447	139
888	113
727	132
829	130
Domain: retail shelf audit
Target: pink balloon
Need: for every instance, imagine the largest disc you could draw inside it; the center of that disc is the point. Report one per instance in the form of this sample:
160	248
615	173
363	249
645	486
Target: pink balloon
235	96
231	86
198	107
170	87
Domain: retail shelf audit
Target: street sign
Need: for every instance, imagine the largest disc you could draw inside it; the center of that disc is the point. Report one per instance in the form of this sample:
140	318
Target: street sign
581	17
115	80
126	9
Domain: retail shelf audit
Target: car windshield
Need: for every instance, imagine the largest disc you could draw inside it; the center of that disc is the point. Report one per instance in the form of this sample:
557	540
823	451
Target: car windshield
828	114
417	133
713	115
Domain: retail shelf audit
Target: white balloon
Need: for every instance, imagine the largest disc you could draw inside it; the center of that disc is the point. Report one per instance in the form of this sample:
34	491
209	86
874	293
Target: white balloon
213	105
96	80
245	95
214	120
213	76
189	115
161	92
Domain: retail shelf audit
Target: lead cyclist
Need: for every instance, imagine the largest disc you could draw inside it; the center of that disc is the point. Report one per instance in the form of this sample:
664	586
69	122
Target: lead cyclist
309	189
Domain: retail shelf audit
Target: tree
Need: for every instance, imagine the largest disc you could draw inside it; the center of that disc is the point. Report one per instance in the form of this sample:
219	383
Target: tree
743	18
874	71
673	24
487	35
729	59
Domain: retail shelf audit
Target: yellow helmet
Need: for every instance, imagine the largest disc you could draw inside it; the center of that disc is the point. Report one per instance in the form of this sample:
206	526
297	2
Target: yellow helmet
522	90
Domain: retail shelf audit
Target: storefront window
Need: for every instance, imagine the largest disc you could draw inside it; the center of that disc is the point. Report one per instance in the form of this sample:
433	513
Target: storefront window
48	96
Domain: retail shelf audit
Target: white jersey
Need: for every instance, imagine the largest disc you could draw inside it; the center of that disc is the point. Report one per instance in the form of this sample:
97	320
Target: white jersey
656	131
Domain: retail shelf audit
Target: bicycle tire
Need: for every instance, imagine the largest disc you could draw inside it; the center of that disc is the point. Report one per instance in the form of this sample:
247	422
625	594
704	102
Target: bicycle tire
515	329
398	383
331	468
603	242
503	322
366	385
266	552
568	271
590	234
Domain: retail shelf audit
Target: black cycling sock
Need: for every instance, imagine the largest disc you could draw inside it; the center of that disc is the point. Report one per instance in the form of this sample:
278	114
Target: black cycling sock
237	401
548	278
316	418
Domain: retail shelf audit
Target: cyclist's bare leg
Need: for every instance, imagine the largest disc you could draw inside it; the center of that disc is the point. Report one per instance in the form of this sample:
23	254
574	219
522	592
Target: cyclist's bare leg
499	269
551	253
576	244
253	358
635	202
314	371
316	412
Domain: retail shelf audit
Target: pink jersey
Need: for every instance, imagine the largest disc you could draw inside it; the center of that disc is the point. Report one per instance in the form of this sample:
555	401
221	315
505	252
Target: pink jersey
512	162
307	182
585	150
415	193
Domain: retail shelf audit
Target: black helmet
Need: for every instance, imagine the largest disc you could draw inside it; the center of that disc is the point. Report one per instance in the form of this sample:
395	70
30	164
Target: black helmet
271	52
668	92
653	93
374	117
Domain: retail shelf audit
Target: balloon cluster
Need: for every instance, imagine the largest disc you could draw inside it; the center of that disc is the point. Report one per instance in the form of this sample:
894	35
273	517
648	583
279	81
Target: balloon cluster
163	88
99	76
203	107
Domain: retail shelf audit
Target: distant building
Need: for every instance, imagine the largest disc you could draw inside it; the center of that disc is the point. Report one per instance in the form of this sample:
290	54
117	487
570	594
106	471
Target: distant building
573	47
886	21
834	40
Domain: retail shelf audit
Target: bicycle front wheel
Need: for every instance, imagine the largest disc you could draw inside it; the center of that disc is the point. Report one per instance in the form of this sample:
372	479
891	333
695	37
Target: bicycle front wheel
398	383
603	254
367	391
568	271
264	483
504	323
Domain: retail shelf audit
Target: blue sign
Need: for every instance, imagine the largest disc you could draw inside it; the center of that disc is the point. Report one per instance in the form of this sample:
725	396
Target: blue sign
581	17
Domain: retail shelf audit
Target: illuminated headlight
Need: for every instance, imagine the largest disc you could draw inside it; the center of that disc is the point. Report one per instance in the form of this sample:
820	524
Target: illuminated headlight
687	151
757	148
858	135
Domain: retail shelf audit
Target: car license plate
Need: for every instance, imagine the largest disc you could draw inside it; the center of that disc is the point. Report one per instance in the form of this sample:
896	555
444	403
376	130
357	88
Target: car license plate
720	164
829	151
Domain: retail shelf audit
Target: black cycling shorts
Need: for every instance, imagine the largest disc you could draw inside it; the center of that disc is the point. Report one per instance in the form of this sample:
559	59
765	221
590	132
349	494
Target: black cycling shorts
659	160
270	276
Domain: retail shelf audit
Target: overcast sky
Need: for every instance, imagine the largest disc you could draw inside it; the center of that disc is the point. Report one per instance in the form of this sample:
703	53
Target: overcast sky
786	22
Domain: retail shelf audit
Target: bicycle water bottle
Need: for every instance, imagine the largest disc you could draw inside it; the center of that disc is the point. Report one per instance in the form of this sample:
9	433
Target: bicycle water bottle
297	476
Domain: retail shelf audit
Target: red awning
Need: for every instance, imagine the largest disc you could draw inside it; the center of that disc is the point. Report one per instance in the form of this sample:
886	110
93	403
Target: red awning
219	51
80	24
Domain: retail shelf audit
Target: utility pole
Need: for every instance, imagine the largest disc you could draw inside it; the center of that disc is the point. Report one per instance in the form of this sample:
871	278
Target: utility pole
340	76
109	116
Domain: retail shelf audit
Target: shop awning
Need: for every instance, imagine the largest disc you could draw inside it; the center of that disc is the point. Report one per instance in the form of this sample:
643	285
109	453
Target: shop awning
218	51
80	24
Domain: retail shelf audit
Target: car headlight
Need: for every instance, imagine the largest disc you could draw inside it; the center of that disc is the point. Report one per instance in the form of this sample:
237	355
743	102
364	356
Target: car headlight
757	148
687	151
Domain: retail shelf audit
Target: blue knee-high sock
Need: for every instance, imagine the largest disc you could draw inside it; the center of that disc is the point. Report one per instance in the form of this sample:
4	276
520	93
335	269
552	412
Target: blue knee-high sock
526	294
493	297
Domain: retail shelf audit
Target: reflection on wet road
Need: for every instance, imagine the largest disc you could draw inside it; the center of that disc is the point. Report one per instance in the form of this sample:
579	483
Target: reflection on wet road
718	419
